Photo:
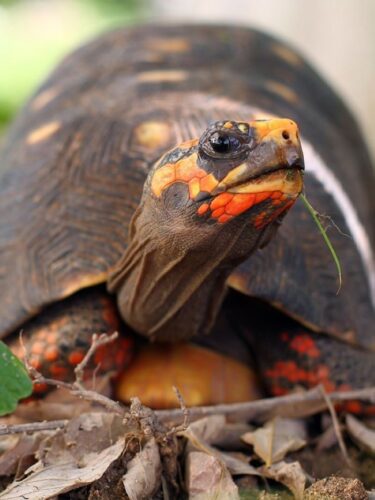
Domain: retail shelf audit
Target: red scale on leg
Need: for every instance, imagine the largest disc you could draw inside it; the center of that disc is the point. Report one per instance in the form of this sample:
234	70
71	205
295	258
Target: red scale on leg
58	339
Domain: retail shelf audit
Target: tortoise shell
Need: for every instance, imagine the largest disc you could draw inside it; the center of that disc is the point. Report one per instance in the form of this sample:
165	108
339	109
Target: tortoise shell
75	160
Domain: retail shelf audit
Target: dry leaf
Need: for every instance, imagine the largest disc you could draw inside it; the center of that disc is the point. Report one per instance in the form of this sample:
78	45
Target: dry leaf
60	478
207	478
276	438
88	433
17	459
290	474
208	429
361	434
234	465
143	476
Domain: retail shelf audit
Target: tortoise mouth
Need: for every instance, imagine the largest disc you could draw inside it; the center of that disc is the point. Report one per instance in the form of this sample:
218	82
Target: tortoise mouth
268	174
285	178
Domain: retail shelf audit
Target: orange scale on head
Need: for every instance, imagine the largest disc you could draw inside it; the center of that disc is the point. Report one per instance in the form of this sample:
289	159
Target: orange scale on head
259	197
216	213
203	208
208	183
225	218
239	204
276	195
187	169
228	125
221	200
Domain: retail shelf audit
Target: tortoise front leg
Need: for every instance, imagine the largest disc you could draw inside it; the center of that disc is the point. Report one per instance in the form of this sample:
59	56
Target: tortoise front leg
59	337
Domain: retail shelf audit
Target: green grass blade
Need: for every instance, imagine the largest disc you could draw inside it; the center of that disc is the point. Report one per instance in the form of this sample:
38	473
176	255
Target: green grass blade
323	232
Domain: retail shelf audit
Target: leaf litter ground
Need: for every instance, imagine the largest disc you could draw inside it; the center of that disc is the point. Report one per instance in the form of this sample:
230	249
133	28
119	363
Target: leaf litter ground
275	448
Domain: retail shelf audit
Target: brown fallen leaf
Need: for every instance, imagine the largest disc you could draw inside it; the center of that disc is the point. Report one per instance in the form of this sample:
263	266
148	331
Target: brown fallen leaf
143	477
207	478
290	474
88	433
196	442
21	456
60	478
361	434
208	429
276	438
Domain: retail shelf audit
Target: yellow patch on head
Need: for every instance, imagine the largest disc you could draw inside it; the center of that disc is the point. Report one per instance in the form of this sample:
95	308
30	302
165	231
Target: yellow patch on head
244	127
153	134
42	133
172	75
228	125
187	168
162	178
282	90
194	188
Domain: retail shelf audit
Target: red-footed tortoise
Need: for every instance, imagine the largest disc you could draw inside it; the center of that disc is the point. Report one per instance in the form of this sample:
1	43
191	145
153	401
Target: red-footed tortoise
83	251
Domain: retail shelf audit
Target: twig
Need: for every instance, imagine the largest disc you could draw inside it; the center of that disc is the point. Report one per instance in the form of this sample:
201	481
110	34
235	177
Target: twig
336	427
291	405
32	427
185	412
96	342
297	405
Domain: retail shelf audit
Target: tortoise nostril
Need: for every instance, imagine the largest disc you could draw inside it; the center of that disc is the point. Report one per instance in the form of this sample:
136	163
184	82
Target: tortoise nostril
285	135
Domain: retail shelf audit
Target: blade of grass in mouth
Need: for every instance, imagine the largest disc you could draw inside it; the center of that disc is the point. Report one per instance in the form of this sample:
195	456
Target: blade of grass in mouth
314	214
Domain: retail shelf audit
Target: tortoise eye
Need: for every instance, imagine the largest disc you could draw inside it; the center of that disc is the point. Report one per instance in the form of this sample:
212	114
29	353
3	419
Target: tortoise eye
224	144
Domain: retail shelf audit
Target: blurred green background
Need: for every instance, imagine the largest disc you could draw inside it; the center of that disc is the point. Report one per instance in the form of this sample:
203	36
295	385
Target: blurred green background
34	35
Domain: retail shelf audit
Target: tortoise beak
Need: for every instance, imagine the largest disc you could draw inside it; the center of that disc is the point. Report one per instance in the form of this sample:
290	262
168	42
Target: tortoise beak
275	147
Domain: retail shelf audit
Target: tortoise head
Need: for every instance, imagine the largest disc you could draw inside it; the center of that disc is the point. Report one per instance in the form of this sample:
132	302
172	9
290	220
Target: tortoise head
236	170
206	206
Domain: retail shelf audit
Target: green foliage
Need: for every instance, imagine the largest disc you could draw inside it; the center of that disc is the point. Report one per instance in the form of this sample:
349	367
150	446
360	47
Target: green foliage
35	36
15	384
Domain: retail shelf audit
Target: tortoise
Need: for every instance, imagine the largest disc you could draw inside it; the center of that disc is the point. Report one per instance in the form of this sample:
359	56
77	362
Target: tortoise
143	188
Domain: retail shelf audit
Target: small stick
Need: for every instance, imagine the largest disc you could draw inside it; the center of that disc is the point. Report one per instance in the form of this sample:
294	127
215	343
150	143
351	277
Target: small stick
97	341
336	426
185	411
258	409
32	427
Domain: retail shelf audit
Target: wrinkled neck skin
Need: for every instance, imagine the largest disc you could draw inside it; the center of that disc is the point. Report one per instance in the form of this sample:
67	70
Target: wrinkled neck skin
170	283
